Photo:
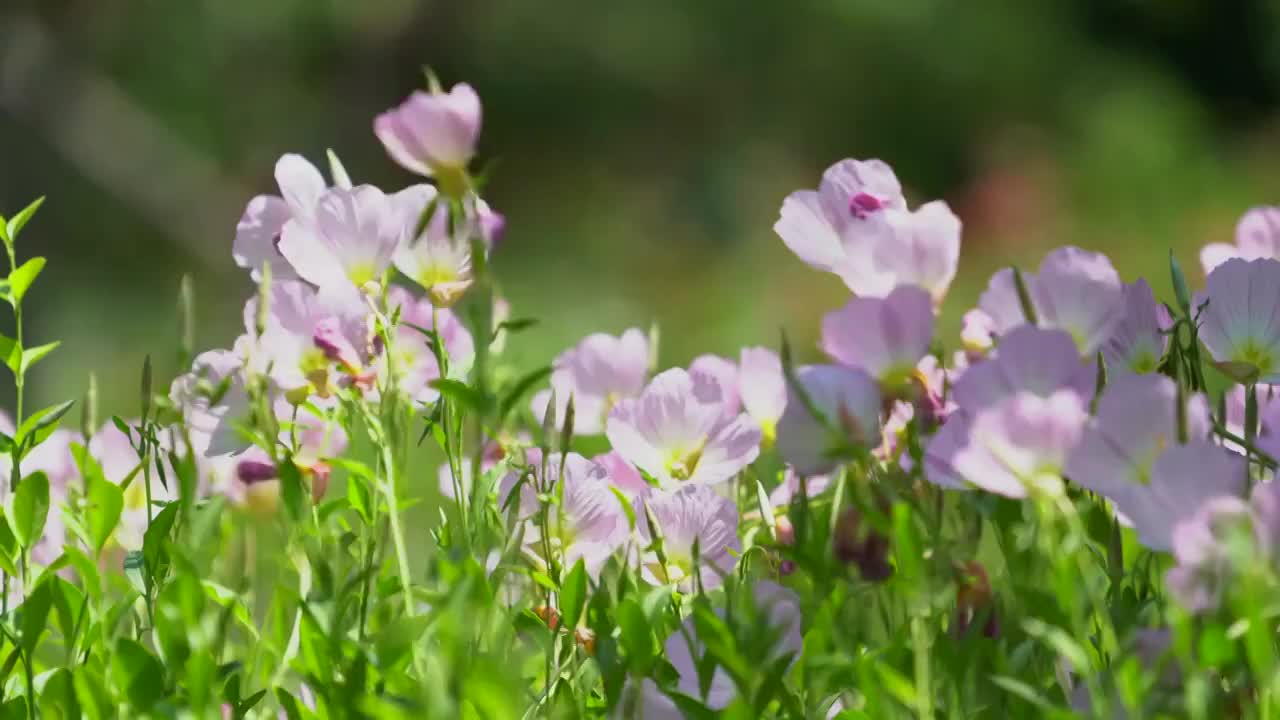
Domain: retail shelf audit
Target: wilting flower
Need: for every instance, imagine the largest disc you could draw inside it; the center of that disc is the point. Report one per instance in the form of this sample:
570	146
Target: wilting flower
598	372
1018	445
1257	236
835	228
432	132
412	358
849	401
1239	324
688	516
589	522
306	333
1136	420
676	431
350	239
258	232
922	248
1076	290
885	337
1138	342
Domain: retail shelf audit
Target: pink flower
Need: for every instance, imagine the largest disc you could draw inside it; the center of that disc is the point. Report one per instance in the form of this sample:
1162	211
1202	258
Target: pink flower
836	227
754	385
1020	444
725	373
213	402
692	514
1138	342
1136	420
978	332
258	232
114	452
1239	325
1076	290
1257	236
431	131
413	361
885	337
1028	358
439	258
305	334
598	372
676	431
623	475
789	489
588	523
350	239
849	402
922	248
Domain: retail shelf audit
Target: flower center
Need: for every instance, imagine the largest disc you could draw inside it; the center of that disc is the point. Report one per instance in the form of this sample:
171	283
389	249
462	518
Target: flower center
361	273
683	463
1255	354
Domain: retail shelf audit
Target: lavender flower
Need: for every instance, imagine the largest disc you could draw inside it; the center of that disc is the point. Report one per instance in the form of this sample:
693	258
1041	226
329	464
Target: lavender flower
213	401
258	232
1138	342
1257	236
885	337
413	359
1075	290
691	515
431	132
350	239
677	432
598	372
1239	324
849	400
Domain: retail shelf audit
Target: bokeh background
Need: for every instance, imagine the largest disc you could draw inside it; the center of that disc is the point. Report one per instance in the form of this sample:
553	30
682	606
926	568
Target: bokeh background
642	149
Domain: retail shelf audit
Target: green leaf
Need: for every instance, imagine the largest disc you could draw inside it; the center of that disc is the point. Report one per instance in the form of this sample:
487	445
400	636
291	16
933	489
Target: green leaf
19	221
154	553
573	595
11	353
637	638
104	499
58	698
34	355
8	548
288	704
137	674
95	702
30	508
462	394
21	279
1180	290
40	425
292	490
34	616
514	325
521	387
359	497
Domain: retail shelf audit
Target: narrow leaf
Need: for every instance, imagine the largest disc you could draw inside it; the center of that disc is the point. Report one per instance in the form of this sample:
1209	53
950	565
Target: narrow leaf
21	279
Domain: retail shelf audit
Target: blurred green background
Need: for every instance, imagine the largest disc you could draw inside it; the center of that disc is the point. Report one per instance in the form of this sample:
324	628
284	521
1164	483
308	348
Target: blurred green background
643	148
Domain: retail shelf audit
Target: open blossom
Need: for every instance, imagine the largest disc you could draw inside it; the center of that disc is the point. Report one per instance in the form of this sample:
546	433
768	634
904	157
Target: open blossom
689	515
1136	420
1075	290
1020	444
432	132
1257	236
676	431
258	232
1239	324
978	332
1138	342
439	258
589	523
1200	545
412	358
835	227
849	401
922	248
213	402
598	372
1029	362
623	475
349	239
754	385
885	337
306	333
857	226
